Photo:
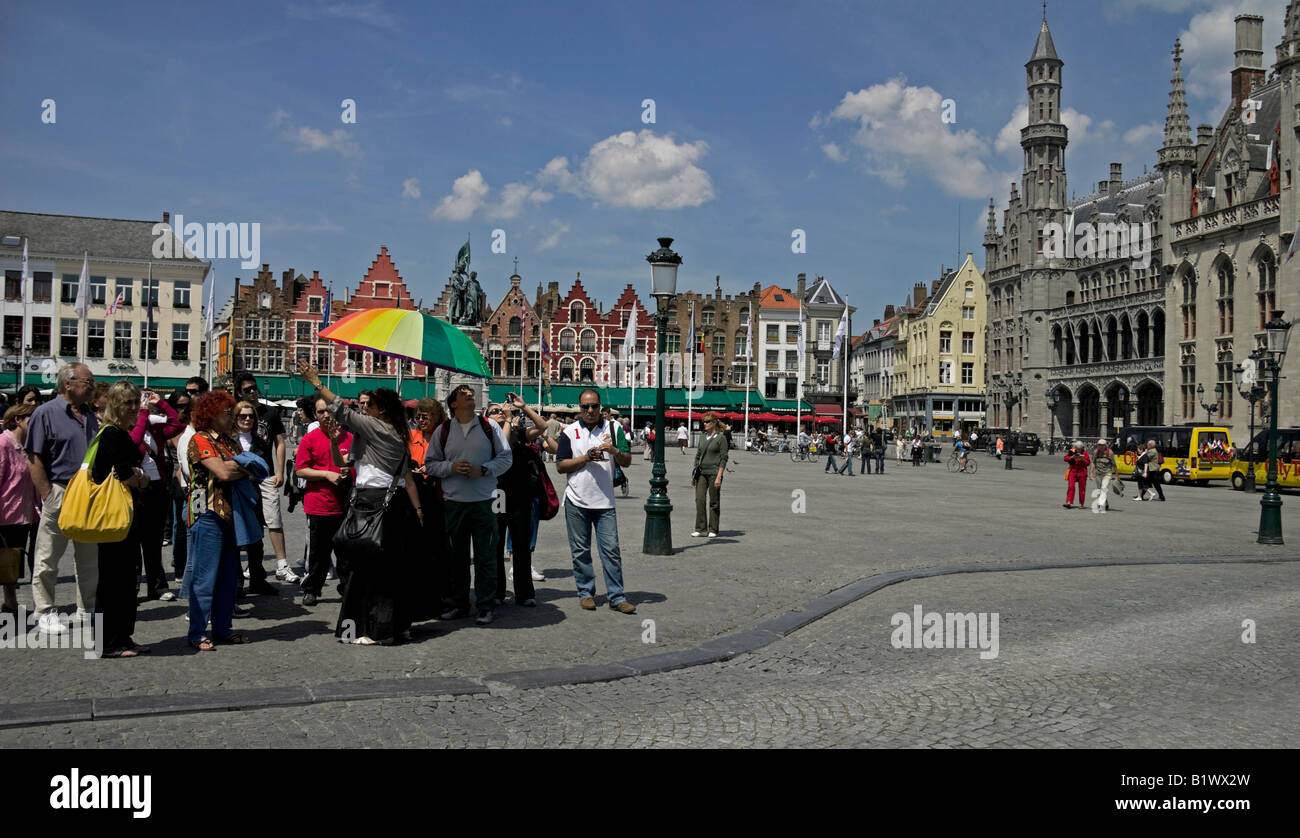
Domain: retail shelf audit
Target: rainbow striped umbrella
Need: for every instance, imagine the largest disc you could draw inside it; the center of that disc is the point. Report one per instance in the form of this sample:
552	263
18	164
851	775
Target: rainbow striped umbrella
413	335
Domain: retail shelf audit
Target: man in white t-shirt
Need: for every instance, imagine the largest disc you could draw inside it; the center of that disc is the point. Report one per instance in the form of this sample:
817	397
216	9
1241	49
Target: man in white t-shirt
683	436
587	454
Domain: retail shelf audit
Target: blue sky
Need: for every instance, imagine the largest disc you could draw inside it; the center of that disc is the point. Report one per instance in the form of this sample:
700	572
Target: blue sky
528	118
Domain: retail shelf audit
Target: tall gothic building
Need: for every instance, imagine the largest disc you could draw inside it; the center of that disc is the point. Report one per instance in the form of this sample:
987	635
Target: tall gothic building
1180	269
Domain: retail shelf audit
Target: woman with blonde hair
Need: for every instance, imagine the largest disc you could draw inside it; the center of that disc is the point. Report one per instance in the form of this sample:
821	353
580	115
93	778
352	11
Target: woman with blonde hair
710	463
118	455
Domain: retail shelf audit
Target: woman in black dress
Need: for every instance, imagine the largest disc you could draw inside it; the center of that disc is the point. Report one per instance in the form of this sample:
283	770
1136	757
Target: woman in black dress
119	579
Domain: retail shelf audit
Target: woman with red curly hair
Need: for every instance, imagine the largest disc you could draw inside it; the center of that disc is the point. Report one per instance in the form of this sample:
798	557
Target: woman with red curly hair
212	578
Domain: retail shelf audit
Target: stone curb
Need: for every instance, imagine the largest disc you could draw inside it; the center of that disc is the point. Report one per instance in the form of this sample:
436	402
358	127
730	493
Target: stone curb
32	714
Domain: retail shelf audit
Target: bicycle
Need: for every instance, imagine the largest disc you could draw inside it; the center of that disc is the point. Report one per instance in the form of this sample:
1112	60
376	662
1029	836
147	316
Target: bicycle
954	465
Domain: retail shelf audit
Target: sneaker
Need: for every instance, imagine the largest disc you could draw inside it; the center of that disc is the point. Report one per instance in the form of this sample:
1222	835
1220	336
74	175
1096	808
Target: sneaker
537	575
284	574
588	603
167	596
309	599
713	535
454	614
623	607
49	623
1138	497
697	534
484	618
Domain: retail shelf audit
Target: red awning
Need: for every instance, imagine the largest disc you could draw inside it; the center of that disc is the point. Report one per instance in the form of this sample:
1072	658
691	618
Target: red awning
828	410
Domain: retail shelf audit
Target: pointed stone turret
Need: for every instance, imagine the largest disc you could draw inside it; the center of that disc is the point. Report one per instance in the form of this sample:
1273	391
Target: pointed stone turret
1044	48
1045	136
1177	159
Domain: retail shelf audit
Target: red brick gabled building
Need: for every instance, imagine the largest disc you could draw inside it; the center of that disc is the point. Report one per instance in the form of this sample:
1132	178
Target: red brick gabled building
506	342
305	323
381	287
620	349
583	338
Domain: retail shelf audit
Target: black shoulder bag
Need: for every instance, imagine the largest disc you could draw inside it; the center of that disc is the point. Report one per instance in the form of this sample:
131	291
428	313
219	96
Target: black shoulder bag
361	535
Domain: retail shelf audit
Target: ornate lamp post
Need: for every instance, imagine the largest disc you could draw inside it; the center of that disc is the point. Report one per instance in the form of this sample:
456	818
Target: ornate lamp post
1210	409
1252	391
1013	399
1270	511
1052	399
658	539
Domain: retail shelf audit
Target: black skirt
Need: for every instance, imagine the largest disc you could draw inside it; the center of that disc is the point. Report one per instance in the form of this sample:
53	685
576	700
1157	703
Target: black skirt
379	601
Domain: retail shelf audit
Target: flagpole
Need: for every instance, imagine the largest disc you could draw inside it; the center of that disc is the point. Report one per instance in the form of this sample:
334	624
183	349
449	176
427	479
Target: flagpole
690	387
631	339
748	353
22	348
844	381
798	380
147	323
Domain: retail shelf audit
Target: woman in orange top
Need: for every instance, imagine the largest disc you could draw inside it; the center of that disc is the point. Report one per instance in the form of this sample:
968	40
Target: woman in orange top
429	415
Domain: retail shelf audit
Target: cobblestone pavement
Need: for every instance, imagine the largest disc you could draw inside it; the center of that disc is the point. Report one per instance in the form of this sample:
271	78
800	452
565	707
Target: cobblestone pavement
790	533
1141	657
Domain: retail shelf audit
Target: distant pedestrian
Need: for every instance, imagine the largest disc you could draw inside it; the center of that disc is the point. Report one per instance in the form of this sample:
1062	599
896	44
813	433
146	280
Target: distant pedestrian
880	453
917	447
867	447
1076	459
999	447
710	463
1149	464
850	451
1103	470
683	436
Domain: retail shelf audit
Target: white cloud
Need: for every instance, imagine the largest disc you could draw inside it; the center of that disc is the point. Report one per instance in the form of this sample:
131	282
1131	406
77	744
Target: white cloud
556	173
371	13
411	188
278	116
1145	136
515	197
900	132
646	171
468	193
339	140
833	152
558	229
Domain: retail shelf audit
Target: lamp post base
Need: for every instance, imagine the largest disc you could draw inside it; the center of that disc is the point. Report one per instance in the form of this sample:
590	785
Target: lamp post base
1270	517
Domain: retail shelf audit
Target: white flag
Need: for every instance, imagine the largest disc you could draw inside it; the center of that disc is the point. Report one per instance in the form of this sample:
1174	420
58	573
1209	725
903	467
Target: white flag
801	336
629	342
83	288
841	332
22	280
749	333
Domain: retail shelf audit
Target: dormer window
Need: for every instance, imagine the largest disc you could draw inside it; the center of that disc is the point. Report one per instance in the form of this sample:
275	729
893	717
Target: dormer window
575	313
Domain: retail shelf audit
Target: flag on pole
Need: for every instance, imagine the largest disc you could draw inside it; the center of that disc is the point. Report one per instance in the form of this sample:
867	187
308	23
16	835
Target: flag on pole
83	288
840	333
325	311
749	333
800	336
629	342
690	343
149	294
114	306
210	322
546	351
22	280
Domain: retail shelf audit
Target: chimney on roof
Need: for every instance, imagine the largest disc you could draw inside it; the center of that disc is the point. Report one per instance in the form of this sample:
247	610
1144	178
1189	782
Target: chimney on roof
1101	186
1116	177
1204	136
1249	69
801	281
918	294
167	217
889	312
875	323
315	274
934	286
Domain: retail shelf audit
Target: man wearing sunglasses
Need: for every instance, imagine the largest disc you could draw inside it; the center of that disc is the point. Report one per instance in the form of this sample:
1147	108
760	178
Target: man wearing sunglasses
271	428
588	452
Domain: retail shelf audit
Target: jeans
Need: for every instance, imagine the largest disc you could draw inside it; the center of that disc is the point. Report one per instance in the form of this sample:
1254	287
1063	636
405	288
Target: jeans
848	464
830	461
211	576
880	461
537	520
472	522
180	535
579	521
518	518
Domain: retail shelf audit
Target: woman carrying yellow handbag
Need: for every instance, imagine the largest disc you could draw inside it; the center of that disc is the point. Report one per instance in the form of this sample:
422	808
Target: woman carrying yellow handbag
95	500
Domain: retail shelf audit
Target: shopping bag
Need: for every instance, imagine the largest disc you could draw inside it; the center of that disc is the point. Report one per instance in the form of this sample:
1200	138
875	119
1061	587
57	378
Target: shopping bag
92	512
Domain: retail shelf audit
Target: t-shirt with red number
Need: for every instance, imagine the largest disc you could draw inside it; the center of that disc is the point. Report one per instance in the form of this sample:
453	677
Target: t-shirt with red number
320	497
207	493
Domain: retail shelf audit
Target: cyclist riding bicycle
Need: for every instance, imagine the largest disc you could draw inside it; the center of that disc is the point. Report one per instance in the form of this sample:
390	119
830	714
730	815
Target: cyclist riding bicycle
960	449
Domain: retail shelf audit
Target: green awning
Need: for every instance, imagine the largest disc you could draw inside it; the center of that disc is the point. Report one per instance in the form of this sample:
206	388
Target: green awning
786	406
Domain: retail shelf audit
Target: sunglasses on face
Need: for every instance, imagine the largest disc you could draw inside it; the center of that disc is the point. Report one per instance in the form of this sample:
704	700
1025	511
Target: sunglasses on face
589	407
494	411
244	416
191	392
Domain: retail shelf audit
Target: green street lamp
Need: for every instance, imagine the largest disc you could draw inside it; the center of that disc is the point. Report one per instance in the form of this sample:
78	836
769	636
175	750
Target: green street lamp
1270	506
1053	398
658	539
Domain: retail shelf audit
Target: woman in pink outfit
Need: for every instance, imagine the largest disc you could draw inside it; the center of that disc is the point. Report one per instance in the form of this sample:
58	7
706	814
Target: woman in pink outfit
17	492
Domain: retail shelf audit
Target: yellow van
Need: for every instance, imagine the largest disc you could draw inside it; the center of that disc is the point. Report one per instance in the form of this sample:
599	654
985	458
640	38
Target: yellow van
1192	453
1288	460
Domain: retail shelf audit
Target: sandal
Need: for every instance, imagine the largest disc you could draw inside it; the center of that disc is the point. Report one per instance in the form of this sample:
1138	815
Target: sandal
121	653
236	639
204	644
364	641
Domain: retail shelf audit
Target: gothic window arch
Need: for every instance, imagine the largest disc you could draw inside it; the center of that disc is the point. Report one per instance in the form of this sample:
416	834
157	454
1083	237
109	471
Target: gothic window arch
1226	286
1266	287
567	338
516	327
1125	338
588	341
1187	287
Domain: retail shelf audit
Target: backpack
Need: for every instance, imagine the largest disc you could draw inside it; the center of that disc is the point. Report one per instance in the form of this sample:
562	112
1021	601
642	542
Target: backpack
483	422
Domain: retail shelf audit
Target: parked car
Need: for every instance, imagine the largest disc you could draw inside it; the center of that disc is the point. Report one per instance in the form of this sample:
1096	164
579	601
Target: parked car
1028	443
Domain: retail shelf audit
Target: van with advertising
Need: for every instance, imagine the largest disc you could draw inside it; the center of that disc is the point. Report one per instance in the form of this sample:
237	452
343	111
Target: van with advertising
1288	460
1191	453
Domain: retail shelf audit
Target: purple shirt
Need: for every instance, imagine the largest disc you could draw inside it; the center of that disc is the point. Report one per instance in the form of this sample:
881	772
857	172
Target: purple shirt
58	440
17	492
